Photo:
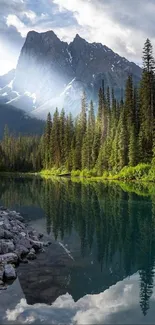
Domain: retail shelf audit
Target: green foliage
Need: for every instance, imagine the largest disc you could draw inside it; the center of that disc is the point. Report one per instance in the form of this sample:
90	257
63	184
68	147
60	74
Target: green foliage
133	173
121	134
75	173
22	154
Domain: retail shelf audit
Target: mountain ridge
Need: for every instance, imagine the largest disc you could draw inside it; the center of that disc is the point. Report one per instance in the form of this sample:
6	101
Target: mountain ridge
51	73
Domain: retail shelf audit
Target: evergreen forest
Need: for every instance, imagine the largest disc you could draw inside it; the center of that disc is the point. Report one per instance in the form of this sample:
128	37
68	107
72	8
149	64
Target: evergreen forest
117	139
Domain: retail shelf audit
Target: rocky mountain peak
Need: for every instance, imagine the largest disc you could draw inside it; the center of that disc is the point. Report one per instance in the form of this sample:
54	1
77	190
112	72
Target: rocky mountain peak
78	38
53	73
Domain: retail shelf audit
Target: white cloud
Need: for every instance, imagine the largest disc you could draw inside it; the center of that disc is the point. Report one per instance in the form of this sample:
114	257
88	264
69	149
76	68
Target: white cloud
8	61
98	19
119	304
13	20
6	65
30	15
121	25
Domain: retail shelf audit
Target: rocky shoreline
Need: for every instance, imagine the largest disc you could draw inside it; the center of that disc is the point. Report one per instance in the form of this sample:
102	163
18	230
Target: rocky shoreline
19	243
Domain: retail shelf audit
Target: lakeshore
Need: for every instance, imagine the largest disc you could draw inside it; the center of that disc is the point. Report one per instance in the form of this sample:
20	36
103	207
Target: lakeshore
19	243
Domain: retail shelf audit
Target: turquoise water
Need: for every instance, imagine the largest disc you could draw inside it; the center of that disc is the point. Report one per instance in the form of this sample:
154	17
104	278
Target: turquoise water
100	266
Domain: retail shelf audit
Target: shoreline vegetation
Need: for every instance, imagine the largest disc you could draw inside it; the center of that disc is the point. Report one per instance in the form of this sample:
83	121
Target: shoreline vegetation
141	172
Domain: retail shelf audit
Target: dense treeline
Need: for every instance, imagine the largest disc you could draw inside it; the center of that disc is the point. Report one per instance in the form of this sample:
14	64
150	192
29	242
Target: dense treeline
121	133
20	153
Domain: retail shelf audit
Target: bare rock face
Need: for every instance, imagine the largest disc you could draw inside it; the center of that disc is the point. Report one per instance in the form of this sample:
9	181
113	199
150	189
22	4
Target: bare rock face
53	73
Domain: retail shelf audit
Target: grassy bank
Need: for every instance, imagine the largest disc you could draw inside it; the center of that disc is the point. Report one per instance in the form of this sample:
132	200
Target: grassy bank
141	172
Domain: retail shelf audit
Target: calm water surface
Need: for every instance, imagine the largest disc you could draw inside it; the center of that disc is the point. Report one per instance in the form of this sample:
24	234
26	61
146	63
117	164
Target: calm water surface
100	266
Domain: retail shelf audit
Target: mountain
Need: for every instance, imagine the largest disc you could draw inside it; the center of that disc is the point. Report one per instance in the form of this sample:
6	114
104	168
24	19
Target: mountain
53	73
5	79
19	122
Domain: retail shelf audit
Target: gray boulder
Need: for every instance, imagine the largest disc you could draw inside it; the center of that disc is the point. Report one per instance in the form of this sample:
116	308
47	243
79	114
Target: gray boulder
31	255
9	272
37	245
8	234
9	258
20	240
6	246
21	250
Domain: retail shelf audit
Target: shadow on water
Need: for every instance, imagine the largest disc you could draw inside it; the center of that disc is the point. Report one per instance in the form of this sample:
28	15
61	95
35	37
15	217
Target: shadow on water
109	228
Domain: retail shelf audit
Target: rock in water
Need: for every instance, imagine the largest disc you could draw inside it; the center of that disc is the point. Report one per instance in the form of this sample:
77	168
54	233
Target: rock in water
17	241
9	258
37	245
31	255
9	272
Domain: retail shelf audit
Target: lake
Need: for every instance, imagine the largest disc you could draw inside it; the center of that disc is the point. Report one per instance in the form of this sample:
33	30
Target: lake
100	266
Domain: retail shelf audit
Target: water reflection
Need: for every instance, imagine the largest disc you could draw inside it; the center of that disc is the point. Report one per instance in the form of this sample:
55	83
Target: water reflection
115	224
117	305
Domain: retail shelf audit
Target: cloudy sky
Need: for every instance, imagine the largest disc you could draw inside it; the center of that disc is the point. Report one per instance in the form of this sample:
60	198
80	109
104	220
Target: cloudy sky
122	25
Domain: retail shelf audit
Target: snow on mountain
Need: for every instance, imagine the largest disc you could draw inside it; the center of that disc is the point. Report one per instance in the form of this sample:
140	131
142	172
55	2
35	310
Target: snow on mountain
33	96
51	73
4	94
10	83
69	86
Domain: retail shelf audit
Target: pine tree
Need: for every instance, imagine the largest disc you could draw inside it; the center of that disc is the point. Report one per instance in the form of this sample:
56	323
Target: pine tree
100	107
132	147
55	141
47	140
90	135
148	60
108	99
129	102
83	115
146	103
122	141
62	130
85	153
69	134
